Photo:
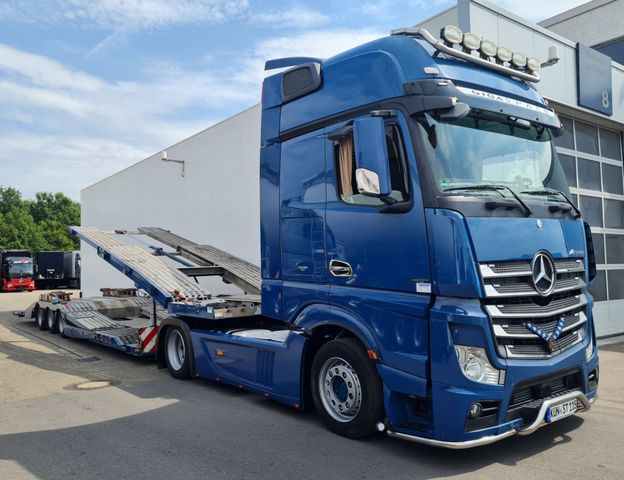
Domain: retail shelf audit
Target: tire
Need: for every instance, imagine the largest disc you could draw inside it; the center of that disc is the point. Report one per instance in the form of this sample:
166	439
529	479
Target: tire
42	318
346	389
53	321
62	323
177	353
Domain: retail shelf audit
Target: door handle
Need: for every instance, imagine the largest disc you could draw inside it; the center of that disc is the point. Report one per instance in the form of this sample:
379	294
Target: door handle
338	268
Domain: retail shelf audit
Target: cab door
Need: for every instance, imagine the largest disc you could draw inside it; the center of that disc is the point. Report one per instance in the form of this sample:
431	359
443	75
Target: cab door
377	248
302	222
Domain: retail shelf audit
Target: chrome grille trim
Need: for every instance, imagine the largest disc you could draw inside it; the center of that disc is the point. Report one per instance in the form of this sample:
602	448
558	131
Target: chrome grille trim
532	351
500	332
523	268
525	289
532	310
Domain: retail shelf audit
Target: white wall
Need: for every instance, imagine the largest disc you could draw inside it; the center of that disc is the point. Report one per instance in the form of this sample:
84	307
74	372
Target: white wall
591	23
217	202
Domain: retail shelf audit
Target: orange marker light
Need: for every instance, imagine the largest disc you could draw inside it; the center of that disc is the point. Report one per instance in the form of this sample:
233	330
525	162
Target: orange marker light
372	354
219	353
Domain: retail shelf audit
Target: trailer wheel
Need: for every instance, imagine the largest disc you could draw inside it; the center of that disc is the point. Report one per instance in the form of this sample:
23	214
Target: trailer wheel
177	353
346	389
52	321
61	322
42	318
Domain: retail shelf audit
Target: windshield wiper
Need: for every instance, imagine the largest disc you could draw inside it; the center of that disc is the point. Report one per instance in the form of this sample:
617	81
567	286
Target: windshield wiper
552	191
494	188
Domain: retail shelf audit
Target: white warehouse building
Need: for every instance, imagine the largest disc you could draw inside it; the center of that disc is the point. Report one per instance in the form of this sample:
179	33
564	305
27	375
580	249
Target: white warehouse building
213	196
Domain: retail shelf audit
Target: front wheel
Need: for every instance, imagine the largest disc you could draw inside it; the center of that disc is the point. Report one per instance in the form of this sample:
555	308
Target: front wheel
177	353
346	389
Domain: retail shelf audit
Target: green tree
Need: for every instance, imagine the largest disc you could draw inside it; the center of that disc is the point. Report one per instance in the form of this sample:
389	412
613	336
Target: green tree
39	224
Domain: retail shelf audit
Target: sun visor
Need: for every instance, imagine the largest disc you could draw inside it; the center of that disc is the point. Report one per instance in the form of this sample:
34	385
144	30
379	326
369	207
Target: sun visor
513	107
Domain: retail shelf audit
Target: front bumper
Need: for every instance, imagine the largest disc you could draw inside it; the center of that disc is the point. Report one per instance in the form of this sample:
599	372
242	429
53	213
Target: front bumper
585	405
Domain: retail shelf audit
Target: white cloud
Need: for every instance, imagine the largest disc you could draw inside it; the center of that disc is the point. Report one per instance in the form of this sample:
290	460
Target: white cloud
297	17
89	127
133	14
319	43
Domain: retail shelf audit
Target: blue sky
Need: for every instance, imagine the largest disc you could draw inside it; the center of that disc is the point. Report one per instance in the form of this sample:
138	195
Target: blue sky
88	87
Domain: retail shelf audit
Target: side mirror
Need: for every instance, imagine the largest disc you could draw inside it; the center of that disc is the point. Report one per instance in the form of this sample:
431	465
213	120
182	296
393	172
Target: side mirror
372	172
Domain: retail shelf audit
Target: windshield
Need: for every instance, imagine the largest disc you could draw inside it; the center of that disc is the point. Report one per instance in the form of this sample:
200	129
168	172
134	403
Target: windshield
489	148
21	269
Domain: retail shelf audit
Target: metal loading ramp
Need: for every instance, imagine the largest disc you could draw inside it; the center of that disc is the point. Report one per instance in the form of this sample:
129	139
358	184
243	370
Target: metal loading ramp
243	274
149	272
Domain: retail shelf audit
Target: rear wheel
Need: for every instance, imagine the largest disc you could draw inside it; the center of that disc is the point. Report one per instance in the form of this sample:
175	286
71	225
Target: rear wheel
42	318
53	321
346	389
177	353
61	324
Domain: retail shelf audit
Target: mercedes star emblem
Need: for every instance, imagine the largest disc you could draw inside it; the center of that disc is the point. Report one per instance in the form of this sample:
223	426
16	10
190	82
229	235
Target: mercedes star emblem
543	273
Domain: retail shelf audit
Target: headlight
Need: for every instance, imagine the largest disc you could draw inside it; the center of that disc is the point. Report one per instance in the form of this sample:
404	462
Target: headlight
589	350
474	364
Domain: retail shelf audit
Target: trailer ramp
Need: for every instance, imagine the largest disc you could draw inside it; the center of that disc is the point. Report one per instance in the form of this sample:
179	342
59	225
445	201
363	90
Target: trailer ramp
168	285
161	280
243	274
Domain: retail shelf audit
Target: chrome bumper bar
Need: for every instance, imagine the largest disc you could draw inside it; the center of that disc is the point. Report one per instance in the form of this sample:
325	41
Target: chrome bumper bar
584	405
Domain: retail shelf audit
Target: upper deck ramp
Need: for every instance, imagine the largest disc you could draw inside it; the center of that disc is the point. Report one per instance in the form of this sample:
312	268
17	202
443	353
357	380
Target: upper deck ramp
149	272
243	274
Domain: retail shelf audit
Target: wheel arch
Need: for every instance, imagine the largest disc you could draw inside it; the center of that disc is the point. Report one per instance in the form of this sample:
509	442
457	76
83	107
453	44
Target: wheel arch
322	325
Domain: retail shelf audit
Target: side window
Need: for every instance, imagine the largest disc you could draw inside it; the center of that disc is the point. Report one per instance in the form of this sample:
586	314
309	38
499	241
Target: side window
344	156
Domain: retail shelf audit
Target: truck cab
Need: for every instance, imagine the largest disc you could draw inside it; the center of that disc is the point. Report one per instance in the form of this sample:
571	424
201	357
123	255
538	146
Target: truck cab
17	270
416	224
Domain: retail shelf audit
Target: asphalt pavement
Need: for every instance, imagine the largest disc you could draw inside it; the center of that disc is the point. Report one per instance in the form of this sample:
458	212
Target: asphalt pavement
148	425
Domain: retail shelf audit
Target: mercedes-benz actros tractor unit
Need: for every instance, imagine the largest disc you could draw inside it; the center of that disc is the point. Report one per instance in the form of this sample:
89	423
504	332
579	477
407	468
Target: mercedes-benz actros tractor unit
423	272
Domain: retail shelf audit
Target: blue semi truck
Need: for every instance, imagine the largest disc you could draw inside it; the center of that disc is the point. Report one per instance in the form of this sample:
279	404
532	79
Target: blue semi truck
423	269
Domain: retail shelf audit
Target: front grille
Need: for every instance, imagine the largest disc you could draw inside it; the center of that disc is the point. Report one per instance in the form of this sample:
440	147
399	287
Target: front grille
512	301
527	398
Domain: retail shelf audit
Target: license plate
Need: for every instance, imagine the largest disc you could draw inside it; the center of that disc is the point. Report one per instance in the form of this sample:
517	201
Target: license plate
562	410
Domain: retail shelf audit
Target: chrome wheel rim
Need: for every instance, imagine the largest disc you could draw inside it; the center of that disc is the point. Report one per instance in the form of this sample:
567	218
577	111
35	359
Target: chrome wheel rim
50	320
40	317
176	350
61	324
340	389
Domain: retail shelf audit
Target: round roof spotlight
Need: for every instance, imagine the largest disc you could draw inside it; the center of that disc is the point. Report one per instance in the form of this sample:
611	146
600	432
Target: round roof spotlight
452	34
488	49
471	41
503	54
533	64
519	59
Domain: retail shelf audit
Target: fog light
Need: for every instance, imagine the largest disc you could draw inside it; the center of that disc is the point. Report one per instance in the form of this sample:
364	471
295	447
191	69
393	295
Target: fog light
452	34
519	59
533	64
488	49
471	41
504	54
476	409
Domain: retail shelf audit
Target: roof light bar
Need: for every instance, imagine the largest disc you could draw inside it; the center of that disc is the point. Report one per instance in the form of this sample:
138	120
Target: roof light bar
498	58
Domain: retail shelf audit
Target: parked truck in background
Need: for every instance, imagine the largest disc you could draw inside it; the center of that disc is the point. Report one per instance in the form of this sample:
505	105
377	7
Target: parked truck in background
423	270
17	270
71	269
49	269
